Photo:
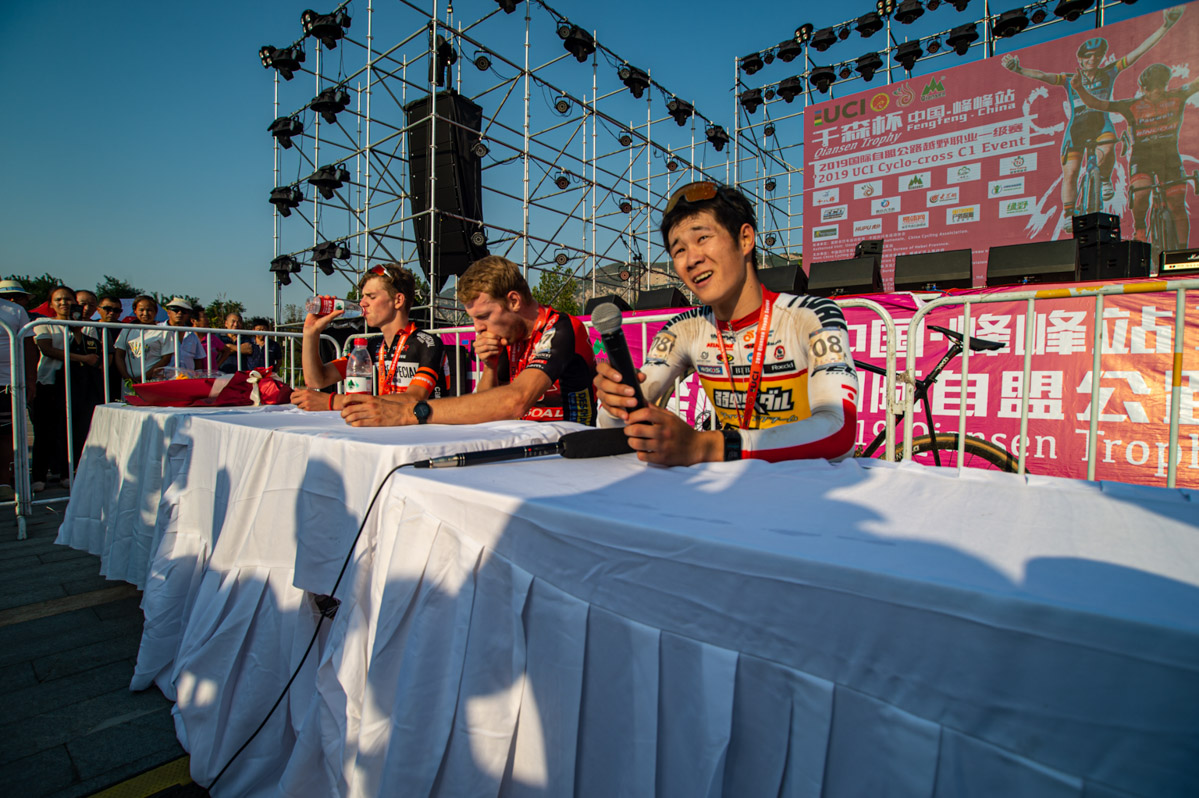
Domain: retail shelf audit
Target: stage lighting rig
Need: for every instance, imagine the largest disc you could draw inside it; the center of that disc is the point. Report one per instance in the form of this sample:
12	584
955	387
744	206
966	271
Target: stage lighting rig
771	184
909	11
284	129
789	50
284	267
561	258
444	57
324	253
770	240
959	5
934	45
1009	23
285	59
508	5
869	24
681	110
577	41
789	88
284	198
752	64
867	65
824	39
479	148
635	80
751	99
672	163
626	204
1038	15
329	178
908	54
803	34
768	130
769	94
327	28
562	181
845	72
482	61
822	78
717	137
961	37
330	102
562	104
1071	10
843	32
625	139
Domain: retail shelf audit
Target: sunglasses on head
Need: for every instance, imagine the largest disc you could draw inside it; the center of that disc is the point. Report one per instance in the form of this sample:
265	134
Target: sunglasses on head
693	192
111	308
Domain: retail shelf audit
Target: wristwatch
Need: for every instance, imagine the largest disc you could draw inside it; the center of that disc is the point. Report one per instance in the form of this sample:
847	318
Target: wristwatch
732	444
422	411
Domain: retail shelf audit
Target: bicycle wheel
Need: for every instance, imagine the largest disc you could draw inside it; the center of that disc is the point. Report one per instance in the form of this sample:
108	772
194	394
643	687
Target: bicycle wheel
978	453
1092	201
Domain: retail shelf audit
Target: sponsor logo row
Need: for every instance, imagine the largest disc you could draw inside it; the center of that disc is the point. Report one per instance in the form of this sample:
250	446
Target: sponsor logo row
920	220
999	189
1008	185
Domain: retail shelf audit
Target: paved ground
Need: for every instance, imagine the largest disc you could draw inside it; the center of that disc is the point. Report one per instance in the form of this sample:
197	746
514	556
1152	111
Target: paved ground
68	643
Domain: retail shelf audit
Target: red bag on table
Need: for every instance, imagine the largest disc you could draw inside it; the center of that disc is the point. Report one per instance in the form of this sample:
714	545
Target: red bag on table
257	387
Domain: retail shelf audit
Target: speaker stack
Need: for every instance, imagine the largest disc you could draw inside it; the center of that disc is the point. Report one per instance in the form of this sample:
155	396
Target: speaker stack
861	274
1101	253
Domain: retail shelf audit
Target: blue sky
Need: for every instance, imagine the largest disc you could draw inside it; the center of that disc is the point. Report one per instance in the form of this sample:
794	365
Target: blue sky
135	133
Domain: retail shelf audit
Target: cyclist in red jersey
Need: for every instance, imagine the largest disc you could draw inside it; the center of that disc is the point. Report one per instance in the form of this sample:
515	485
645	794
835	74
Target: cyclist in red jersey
1154	118
537	362
408	360
776	367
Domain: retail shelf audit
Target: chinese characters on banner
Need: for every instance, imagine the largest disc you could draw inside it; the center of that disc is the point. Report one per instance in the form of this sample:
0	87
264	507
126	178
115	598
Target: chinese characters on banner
990	154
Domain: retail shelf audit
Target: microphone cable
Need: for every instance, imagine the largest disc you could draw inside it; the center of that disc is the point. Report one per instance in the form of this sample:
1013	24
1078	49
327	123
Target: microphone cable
327	611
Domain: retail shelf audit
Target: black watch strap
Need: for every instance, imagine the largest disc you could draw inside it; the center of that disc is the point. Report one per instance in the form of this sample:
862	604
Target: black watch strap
732	444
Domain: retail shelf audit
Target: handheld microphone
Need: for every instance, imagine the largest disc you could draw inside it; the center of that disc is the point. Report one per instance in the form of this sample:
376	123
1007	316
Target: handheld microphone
607	319
575	445
595	443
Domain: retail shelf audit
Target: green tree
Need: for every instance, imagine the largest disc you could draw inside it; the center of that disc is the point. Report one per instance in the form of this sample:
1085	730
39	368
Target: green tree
221	307
114	286
558	289
39	288
163	299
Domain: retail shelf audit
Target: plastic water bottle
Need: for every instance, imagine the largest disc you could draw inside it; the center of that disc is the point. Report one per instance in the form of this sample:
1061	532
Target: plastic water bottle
324	305
360	372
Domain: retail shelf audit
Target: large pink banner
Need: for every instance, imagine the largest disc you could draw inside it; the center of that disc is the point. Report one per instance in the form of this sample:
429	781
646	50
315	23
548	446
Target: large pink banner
972	157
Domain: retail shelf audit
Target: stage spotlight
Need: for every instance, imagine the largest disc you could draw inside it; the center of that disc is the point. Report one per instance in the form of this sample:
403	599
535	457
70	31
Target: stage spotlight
284	198
789	88
562	181
934	45
960	5
869	24
751	99
1038	16
324	253
330	102
843	33
885	8
822	78
328	28
909	11
768	130
286	60
752	64
1009	23
625	139
329	178
482	62
1071	10
577	41
771	184
769	94
626	204
824	39
635	80
284	129
961	37
479	148
508	5
562	104
681	110
867	65
770	240
768	57
478	238
908	54
717	137
789	50
284	267
804	32
845	72
672	163
561	257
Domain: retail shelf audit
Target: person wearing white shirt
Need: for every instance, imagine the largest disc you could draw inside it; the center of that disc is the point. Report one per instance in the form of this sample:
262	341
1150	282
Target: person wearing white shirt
14	318
142	353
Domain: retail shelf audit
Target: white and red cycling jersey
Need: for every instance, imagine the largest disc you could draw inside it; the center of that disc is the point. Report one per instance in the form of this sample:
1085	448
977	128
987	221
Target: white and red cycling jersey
806	401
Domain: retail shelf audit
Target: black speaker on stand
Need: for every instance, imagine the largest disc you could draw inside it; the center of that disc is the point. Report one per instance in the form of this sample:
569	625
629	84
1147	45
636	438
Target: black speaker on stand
784	279
1035	262
459	183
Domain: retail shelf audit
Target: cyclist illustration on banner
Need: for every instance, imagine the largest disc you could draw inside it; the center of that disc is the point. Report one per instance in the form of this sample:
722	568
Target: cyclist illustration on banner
1090	138
1154	120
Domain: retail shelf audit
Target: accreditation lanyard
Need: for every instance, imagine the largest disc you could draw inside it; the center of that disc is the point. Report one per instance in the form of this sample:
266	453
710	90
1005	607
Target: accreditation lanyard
387	376
517	362
761	338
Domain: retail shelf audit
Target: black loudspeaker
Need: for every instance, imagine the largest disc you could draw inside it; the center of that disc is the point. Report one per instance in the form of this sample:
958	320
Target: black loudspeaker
1180	261
1118	261
659	298
851	276
872	246
934	270
784	279
1037	262
459	178
596	301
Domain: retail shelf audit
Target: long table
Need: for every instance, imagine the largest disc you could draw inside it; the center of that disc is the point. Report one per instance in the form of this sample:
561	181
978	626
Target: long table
604	628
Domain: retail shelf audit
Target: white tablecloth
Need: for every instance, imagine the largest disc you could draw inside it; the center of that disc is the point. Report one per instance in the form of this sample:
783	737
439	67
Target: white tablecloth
557	627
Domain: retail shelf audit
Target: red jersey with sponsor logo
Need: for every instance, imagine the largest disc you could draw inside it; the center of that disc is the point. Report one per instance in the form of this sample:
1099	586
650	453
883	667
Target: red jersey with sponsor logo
415	357
806	402
560	348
